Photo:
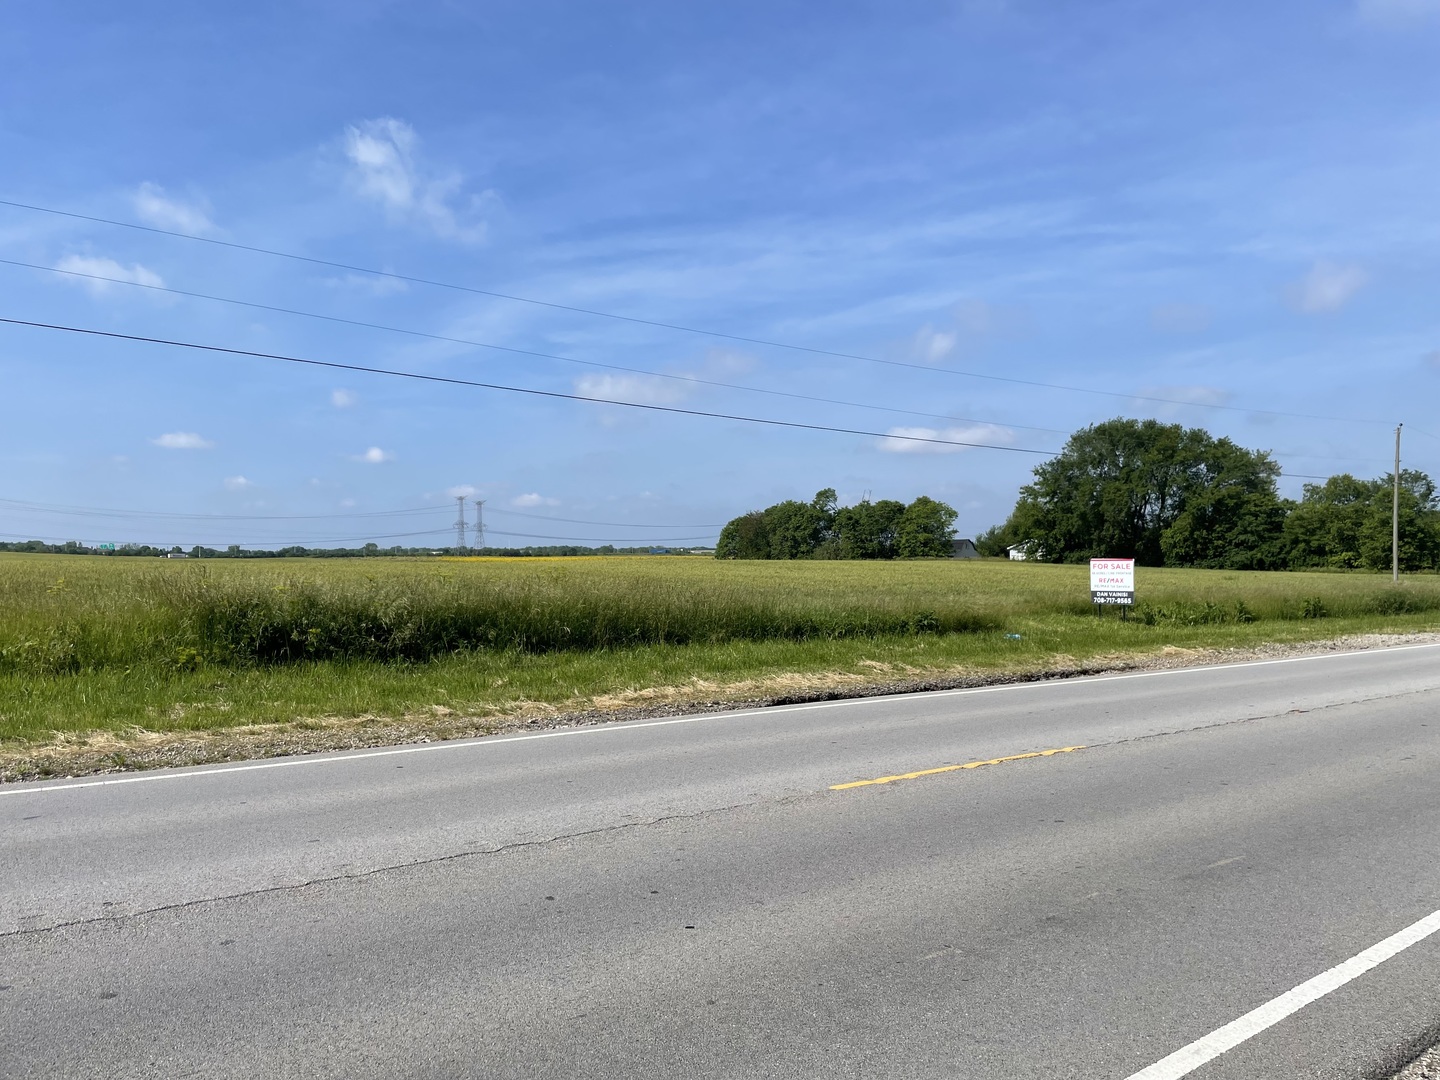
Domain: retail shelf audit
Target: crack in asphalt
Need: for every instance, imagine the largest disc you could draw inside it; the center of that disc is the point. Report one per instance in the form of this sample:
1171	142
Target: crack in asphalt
455	856
622	826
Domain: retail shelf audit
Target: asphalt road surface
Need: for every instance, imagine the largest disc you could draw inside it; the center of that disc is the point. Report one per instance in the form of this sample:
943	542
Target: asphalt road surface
700	897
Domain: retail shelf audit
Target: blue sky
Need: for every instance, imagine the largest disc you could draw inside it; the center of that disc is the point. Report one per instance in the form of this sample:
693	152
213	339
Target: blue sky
1217	204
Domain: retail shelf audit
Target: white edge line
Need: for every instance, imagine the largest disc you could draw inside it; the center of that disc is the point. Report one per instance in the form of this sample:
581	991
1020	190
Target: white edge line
1189	1058
636	725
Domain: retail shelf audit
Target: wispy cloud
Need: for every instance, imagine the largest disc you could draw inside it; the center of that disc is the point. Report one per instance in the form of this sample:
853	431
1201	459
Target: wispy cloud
899	440
165	212
462	489
1180	396
1180	318
344	399
641	389
533	499
1327	287
101	275
182	440
372	284
932	346
386	167
238	483
1397	12
374	456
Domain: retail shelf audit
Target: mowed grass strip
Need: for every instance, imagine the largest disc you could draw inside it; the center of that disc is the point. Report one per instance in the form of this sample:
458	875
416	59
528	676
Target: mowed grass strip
111	644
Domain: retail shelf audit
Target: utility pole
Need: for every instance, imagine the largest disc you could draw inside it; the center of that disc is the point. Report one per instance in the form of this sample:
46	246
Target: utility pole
479	524
460	525
1395	515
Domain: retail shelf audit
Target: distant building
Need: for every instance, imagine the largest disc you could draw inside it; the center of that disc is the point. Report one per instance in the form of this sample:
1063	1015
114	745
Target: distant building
1022	551
176	555
963	549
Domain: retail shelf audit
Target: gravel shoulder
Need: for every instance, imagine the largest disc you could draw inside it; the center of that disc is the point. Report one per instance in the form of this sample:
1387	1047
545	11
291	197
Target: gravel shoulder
71	756
1425	1067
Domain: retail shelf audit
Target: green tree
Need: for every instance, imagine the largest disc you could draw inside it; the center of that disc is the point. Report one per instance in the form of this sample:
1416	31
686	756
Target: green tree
1346	522
796	529
926	529
1118	488
746	537
867	530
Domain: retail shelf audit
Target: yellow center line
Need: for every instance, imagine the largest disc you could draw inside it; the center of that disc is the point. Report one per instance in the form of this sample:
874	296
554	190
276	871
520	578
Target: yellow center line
955	768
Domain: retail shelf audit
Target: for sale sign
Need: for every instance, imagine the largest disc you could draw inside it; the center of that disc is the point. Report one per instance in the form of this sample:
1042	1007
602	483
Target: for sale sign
1112	581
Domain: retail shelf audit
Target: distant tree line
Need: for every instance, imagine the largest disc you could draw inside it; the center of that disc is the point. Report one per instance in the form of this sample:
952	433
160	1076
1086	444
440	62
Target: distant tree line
822	529
234	551
1166	495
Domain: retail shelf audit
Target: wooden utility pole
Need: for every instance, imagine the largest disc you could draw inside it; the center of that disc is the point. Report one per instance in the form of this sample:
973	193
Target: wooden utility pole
1395	514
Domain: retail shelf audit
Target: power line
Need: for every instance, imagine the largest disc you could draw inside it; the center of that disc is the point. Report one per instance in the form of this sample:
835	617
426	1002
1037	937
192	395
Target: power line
304	541
534	354
615	524
648	322
101	511
554	394
115	512
598	539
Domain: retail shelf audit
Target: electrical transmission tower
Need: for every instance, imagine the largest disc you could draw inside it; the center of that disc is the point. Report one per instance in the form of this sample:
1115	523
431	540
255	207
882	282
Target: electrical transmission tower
479	524
460	524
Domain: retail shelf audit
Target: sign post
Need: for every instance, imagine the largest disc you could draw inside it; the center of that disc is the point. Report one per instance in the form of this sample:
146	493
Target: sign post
1112	581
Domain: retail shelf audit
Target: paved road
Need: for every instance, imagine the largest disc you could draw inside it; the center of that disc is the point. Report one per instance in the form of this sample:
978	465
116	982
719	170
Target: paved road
691	897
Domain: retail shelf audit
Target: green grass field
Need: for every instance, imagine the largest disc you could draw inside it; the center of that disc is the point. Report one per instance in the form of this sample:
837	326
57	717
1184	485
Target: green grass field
110	644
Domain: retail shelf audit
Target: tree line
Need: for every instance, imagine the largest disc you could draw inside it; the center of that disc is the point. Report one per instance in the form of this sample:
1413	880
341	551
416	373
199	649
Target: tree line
1166	495
822	529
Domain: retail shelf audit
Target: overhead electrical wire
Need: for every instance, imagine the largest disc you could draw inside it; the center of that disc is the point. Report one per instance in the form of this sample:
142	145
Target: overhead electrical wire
110	511
312	541
812	350
535	354
530	391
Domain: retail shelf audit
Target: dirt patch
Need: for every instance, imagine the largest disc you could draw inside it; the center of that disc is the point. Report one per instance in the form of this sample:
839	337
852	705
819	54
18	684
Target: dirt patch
108	752
1425	1067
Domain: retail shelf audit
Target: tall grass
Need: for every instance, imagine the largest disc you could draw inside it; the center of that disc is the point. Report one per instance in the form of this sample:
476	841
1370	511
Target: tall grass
184	617
63	615
110	644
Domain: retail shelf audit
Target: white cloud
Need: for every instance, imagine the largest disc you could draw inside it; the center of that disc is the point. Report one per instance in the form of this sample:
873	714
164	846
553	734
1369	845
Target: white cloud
900	440
374	284
641	389
346	504
462	489
1397	12
100	275
182	440
238	483
160	210
344	399
932	345
374	456
1327	287
386	167
533	499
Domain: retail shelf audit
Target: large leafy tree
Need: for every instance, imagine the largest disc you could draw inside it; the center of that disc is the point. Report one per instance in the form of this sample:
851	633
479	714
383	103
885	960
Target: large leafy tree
867	530
822	528
1346	522
925	530
1153	492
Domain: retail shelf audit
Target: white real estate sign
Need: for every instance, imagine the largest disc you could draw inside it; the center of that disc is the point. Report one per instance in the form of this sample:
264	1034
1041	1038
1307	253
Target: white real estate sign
1112	581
